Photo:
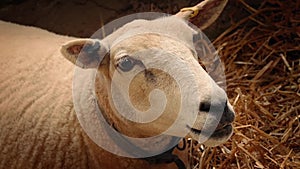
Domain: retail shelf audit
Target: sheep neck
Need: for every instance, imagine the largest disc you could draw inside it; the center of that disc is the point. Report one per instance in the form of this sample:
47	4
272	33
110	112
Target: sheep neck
166	157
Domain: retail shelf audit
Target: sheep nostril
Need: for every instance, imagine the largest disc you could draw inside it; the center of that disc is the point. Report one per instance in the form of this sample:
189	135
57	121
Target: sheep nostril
228	115
205	106
222	109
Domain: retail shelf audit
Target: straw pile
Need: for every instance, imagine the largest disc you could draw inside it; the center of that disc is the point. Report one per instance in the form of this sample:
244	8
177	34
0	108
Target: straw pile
261	54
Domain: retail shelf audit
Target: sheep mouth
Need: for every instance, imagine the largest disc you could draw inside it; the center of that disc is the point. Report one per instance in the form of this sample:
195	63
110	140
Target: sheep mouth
221	132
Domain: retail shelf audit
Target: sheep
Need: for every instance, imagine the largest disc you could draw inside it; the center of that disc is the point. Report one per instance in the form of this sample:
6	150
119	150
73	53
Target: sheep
39	127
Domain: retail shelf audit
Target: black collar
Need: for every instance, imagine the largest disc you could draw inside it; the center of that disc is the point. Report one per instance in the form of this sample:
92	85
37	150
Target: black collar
166	157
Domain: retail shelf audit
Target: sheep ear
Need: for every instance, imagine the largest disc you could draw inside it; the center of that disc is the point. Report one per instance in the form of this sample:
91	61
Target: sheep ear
203	14
85	53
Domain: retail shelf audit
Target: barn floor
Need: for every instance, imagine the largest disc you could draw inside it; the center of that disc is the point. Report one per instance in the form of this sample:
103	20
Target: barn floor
261	52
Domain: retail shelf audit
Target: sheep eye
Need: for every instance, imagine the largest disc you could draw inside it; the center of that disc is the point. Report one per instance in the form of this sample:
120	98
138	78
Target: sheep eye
126	63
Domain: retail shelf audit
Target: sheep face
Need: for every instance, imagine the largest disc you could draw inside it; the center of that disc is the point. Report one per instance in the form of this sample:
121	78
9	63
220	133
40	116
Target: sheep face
150	83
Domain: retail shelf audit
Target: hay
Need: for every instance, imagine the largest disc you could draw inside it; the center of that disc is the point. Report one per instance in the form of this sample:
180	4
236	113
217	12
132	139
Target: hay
261	54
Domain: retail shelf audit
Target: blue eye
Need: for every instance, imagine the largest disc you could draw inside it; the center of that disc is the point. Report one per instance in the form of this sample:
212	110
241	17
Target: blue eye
126	63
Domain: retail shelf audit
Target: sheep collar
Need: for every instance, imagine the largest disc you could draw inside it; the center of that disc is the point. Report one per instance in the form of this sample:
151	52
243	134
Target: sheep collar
166	157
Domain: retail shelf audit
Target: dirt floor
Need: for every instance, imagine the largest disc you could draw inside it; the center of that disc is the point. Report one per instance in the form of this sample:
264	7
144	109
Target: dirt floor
259	42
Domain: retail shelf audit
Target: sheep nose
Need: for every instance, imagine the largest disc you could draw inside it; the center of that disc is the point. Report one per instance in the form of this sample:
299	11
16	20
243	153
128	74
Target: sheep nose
228	114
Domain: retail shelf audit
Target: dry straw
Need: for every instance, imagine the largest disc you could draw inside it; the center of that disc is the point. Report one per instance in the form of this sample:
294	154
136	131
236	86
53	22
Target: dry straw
261	53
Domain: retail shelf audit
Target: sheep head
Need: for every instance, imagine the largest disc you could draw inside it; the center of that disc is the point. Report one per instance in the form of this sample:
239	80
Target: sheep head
149	81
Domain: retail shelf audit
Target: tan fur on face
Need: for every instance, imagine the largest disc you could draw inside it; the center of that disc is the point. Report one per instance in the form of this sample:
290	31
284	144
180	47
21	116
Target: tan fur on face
145	82
145	41
140	87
